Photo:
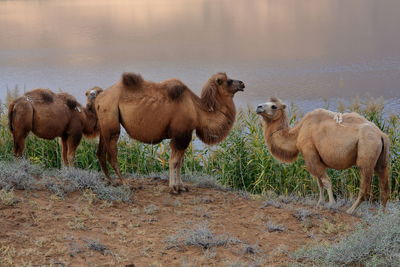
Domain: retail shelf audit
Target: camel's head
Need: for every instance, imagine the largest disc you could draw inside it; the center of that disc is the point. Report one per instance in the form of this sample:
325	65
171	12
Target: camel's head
219	85
93	93
226	85
272	110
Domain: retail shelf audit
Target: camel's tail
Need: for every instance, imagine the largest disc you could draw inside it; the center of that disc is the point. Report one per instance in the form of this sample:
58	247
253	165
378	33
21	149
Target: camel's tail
20	114
382	168
11	115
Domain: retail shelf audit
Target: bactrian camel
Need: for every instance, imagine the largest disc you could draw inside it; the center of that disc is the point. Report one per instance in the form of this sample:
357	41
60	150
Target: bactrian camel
151	112
49	115
329	140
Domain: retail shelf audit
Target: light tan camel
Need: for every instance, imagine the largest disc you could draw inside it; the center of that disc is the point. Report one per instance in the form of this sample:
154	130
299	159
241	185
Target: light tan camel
49	115
329	140
151	112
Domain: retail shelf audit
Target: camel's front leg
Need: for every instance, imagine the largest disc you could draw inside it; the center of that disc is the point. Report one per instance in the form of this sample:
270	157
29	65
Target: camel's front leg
175	164
321	200
318	170
72	144
327	183
64	148
112	157
178	148
102	156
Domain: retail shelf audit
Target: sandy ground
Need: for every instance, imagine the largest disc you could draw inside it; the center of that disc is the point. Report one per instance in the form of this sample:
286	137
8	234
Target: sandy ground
80	230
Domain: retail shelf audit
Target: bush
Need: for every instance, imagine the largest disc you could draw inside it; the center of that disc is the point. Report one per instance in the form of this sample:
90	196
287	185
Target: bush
199	236
19	174
70	179
376	242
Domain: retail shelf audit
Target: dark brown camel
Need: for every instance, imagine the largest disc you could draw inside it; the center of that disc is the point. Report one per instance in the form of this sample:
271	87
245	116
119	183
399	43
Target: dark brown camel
151	112
49	115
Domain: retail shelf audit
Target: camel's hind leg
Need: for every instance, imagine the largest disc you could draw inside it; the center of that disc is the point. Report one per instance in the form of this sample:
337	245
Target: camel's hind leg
384	185
369	150
382	170
178	148
365	188
19	137
21	120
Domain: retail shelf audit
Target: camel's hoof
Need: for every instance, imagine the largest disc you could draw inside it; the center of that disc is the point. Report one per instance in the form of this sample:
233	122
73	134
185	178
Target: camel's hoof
350	211
177	189
331	205
118	183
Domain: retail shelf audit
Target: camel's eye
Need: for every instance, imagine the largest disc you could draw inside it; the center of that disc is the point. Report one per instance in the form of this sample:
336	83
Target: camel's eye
274	107
229	82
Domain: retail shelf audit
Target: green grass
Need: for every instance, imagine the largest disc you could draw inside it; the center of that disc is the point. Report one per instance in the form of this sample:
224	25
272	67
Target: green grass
242	161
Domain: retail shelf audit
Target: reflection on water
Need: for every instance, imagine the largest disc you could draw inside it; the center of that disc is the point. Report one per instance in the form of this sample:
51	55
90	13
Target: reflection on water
294	49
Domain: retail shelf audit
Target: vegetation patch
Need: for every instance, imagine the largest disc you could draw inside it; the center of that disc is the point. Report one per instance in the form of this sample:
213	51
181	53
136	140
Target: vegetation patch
272	227
19	174
242	161
302	214
376	242
199	236
7	197
95	245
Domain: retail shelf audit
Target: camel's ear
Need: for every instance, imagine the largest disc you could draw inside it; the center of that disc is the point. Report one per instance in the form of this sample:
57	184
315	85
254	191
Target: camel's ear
283	106
274	99
99	91
219	81
86	93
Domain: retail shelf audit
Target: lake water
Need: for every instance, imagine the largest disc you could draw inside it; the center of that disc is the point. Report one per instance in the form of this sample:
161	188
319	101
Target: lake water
300	51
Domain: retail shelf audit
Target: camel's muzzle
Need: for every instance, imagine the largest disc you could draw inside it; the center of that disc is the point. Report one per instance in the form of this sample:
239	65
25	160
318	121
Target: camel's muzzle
240	86
260	109
92	94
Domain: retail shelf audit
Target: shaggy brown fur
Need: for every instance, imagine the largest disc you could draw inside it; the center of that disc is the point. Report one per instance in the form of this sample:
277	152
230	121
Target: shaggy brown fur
329	140
151	112
49	115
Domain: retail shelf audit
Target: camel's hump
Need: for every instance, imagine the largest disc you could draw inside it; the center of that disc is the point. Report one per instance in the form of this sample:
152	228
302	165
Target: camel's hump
130	79
175	89
44	95
69	100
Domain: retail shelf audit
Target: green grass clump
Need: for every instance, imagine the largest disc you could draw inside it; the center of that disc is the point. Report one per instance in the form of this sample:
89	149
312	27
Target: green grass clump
242	161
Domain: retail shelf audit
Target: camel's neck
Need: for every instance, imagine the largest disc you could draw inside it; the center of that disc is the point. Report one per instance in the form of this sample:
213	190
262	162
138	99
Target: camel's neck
213	126
281	139
90	124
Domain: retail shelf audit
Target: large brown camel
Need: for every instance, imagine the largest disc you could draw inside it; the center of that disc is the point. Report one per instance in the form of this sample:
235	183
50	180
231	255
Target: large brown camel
49	115
329	140
151	112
